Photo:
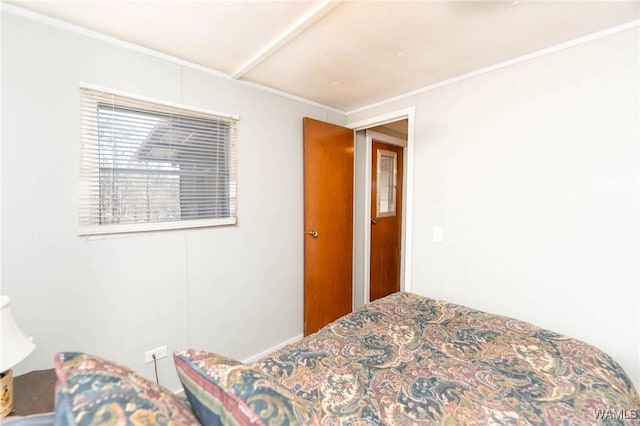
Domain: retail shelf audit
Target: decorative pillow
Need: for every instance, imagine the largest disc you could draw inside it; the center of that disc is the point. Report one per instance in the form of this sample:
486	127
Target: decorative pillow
226	392
92	391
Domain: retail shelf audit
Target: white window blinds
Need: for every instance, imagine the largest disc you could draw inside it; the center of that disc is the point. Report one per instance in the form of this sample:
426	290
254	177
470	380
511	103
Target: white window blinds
151	166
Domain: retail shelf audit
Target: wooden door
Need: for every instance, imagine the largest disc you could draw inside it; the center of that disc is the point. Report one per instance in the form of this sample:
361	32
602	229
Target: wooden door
386	219
328	221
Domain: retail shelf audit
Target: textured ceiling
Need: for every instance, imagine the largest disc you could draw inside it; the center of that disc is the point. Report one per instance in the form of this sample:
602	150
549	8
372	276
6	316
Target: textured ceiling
343	54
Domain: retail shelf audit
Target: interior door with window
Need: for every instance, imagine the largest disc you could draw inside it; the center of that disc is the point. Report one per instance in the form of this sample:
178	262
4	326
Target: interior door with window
386	219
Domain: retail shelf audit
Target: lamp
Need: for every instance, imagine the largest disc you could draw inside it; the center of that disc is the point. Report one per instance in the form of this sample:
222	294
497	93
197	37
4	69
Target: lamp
15	347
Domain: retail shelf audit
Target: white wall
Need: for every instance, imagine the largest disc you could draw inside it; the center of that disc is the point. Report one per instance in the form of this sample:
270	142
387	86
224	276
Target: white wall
533	171
234	290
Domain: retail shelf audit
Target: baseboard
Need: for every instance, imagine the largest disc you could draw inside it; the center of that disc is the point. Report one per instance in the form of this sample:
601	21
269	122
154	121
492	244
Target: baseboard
266	352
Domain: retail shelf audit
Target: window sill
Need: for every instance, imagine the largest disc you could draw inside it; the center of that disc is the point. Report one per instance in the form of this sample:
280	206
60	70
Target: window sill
101	231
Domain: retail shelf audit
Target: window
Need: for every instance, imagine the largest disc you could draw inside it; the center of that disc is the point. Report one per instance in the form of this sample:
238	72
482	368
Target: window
152	166
386	182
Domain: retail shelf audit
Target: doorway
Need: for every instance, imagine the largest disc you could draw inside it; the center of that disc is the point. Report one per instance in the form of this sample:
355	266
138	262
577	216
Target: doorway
393	130
349	206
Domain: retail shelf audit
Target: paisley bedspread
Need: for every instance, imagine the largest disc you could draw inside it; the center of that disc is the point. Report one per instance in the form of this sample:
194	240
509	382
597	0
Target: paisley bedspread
406	359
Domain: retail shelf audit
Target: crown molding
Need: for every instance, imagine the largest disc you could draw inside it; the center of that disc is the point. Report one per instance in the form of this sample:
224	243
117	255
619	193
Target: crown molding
58	23
510	62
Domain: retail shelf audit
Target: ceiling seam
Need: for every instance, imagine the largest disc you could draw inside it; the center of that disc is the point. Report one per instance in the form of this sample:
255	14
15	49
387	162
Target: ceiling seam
309	19
77	29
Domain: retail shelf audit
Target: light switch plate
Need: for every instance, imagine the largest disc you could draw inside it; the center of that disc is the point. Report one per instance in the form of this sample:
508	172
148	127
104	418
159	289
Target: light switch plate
438	236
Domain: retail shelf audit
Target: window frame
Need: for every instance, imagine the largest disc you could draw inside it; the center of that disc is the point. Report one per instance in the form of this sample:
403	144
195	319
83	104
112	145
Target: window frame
393	181
89	205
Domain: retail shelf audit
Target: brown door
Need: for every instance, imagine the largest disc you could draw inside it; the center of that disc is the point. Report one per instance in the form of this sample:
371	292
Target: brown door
386	219
328	221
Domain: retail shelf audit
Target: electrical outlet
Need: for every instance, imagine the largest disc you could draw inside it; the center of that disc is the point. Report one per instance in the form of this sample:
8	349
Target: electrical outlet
160	352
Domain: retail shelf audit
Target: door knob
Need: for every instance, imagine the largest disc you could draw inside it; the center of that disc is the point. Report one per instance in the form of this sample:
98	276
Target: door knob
373	221
314	234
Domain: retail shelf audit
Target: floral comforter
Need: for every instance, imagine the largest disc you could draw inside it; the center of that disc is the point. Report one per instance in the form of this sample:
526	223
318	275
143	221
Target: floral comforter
406	359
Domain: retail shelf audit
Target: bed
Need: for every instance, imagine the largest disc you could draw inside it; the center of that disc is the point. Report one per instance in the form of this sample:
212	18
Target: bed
407	359
401	360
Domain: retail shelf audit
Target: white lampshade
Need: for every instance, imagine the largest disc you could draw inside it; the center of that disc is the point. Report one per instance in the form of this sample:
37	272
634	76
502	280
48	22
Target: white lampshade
14	345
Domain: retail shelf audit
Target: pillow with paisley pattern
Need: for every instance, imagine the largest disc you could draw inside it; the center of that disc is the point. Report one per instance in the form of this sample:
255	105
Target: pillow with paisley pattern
226	392
92	391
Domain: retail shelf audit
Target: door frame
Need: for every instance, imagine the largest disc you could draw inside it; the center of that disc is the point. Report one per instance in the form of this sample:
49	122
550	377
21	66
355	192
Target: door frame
407	201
